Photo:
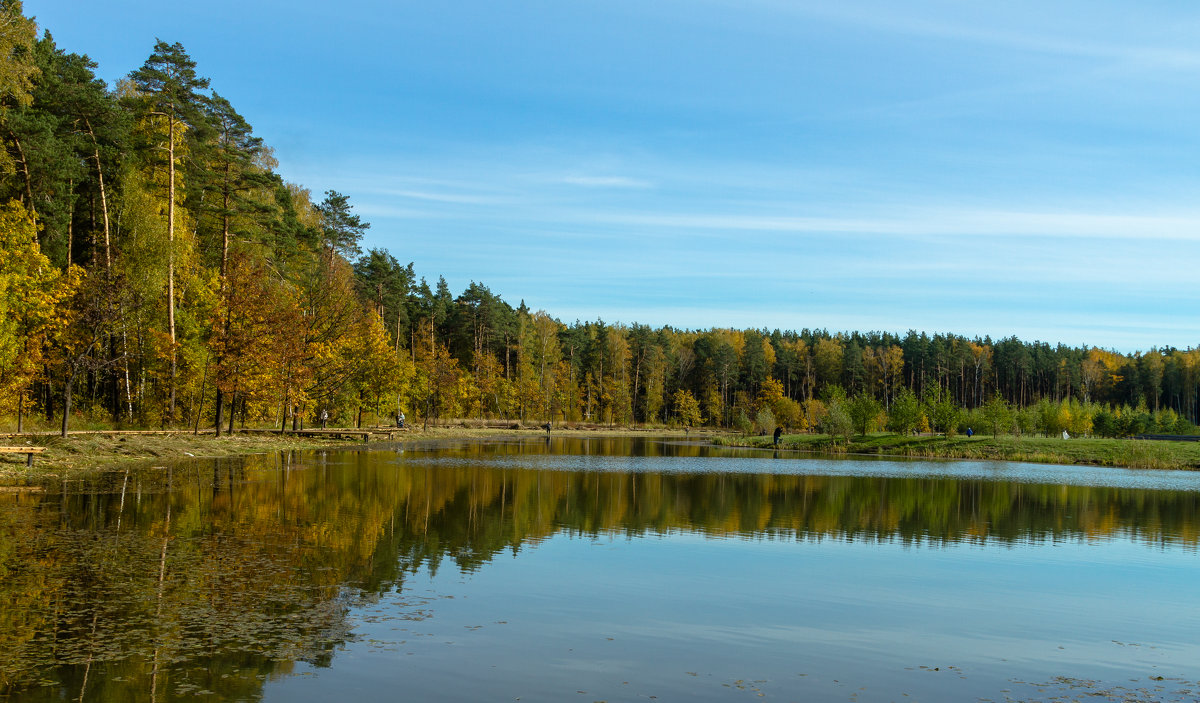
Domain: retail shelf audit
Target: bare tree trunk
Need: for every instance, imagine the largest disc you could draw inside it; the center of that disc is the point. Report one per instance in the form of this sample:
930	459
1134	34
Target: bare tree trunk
67	401
287	400
220	410
171	259
200	410
125	350
70	223
25	173
225	224
103	197
399	308
49	396
227	320
637	376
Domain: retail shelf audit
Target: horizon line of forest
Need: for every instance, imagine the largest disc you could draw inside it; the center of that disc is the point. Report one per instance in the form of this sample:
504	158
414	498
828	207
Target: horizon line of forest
156	271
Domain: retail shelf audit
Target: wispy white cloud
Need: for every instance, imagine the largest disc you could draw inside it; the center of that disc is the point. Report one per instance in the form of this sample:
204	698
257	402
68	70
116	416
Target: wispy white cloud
607	182
372	210
453	198
1006	27
934	222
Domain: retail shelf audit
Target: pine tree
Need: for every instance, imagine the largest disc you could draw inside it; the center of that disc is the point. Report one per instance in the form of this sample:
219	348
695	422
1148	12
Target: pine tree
168	90
341	229
234	173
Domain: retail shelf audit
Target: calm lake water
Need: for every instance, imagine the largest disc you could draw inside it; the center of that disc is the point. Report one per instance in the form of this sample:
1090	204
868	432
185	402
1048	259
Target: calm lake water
601	570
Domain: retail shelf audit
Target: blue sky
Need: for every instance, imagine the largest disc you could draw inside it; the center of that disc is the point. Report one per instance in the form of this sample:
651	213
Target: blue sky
1022	168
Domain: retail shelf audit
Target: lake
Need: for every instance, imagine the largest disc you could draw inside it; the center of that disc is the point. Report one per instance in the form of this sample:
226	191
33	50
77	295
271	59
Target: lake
601	570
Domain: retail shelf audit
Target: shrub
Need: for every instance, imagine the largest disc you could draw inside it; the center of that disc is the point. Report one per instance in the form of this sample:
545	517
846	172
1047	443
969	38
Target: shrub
764	421
836	422
945	416
1104	424
863	409
788	413
997	415
742	423
905	414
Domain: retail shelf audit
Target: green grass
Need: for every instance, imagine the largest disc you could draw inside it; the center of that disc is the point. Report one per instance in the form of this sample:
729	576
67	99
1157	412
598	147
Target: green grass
80	454
1130	453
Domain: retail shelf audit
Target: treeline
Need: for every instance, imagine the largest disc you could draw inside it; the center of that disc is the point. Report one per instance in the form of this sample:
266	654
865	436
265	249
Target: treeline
156	271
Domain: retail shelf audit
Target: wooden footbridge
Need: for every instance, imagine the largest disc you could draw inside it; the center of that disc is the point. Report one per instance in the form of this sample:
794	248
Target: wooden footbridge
27	451
352	433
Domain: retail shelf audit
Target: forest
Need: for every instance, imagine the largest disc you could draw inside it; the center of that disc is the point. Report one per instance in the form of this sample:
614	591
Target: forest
156	271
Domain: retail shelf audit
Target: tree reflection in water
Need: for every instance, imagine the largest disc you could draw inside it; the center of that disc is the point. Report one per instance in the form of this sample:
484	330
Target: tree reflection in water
215	576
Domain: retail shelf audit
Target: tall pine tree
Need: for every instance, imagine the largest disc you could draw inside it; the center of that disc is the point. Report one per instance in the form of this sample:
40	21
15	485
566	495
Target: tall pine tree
169	91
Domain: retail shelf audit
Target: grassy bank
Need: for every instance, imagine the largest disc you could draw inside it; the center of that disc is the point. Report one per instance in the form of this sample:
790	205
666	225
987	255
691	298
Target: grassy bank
90	451
1138	454
80	453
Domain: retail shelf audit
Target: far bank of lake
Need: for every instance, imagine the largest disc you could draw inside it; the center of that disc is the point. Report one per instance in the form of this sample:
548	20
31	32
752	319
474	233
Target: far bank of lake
82	452
1124	453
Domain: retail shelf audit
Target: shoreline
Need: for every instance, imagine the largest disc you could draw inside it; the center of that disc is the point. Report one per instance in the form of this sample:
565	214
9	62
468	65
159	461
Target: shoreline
88	451
1087	451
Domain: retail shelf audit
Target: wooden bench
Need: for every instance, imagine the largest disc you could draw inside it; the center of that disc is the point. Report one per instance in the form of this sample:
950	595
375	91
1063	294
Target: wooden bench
27	451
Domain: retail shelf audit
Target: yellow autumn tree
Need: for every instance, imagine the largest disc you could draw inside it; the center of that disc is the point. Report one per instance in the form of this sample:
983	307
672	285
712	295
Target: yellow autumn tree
253	335
31	296
380	375
435	390
769	393
884	366
17	69
1099	372
488	375
687	408
787	412
827	360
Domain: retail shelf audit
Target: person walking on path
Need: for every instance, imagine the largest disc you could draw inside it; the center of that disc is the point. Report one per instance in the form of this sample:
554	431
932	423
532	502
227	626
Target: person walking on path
778	434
